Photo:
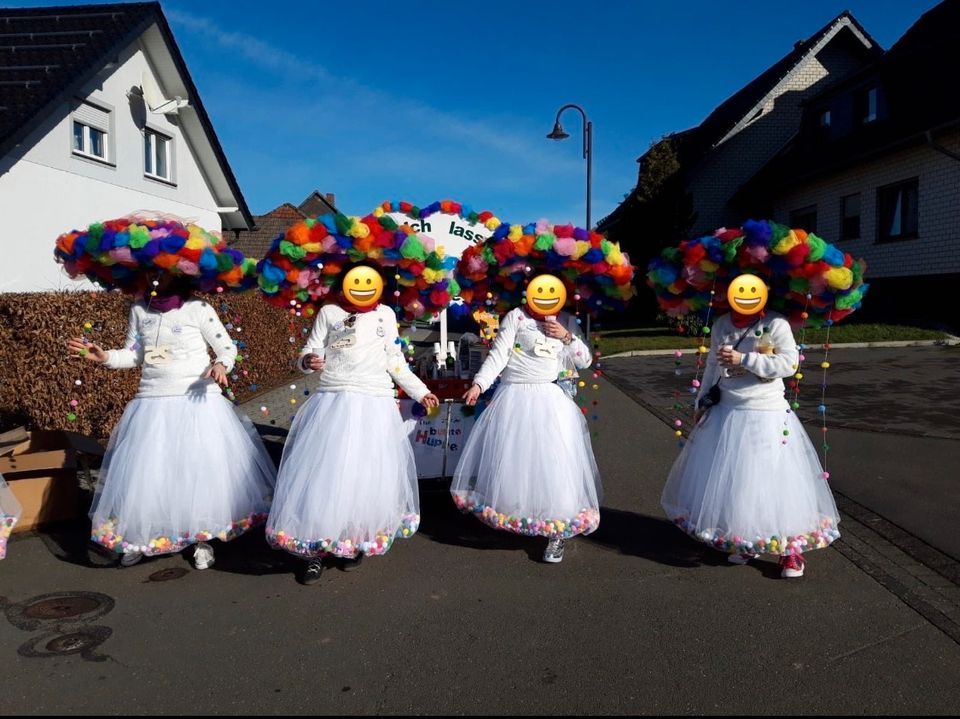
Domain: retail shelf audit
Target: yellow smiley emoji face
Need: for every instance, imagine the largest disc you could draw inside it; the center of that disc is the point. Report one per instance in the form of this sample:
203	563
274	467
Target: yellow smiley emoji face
747	294
362	286
546	295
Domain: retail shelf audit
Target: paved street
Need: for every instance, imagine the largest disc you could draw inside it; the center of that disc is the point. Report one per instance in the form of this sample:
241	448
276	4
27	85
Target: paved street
461	619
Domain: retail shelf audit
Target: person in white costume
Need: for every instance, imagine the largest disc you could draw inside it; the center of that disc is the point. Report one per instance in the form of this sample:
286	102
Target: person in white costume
528	466
748	481
347	485
182	466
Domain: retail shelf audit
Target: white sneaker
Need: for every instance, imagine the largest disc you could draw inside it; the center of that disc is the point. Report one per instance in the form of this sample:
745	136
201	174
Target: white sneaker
791	567
741	558
203	556
554	551
128	559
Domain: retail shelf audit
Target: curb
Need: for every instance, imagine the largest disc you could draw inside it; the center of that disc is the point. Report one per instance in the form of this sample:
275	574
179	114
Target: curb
949	341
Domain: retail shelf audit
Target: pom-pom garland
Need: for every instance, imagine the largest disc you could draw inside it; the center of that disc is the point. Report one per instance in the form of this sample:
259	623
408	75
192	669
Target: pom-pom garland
303	264
594	269
117	253
793	262
448	207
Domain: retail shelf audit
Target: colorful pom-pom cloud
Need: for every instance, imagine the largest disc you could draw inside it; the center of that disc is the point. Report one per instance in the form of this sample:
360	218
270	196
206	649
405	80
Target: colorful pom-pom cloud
810	279
303	264
118	253
594	269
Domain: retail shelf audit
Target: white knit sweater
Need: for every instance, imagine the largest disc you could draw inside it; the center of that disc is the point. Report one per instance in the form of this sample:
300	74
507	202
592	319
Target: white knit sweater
525	355
365	357
181	337
758	382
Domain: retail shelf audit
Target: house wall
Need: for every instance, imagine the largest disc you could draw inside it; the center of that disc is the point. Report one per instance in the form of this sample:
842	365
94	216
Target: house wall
46	190
715	180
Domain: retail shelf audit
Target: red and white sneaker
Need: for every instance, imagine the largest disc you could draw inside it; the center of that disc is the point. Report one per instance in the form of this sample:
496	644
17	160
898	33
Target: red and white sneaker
792	566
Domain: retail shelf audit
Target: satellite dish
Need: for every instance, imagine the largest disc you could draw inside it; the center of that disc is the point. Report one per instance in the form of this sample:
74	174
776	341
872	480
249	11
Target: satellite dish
155	100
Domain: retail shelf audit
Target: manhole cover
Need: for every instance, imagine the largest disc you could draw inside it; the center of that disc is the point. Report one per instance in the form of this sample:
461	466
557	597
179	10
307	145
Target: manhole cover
71	643
61	607
48	610
165	575
82	642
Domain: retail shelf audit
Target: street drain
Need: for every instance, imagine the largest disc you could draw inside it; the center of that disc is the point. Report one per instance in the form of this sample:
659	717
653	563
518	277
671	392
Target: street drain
47	610
166	575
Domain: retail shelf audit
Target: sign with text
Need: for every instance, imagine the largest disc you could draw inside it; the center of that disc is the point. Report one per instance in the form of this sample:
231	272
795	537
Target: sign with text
431	439
454	233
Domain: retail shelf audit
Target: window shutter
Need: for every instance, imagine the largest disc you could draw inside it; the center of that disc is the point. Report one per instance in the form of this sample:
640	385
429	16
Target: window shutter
93	116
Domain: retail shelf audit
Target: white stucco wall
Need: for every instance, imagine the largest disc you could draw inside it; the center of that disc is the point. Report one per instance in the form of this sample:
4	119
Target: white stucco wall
45	190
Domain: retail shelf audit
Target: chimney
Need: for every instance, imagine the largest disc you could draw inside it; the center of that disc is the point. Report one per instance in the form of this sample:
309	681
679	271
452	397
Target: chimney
331	198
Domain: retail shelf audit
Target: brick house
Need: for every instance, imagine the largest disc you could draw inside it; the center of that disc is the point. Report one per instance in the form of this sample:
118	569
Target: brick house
875	167
748	129
255	243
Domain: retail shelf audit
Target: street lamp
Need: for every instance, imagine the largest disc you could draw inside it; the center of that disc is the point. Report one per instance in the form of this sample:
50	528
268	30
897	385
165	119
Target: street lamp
558	133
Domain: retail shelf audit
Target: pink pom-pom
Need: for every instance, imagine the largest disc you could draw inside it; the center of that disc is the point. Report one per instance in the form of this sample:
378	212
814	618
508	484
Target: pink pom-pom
695	383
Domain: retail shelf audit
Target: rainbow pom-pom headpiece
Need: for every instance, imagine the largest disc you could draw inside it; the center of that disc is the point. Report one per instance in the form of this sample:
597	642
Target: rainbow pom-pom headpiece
303	264
117	253
495	272
805	273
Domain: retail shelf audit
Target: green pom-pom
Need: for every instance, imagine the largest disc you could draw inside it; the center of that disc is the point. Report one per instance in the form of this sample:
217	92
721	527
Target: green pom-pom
453	288
343	223
778	233
545	241
289	249
434	261
817	247
96	230
388	223
413	249
224	262
139	236
310	222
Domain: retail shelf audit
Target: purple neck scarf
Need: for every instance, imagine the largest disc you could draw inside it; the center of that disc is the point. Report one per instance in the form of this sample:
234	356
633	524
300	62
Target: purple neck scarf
165	303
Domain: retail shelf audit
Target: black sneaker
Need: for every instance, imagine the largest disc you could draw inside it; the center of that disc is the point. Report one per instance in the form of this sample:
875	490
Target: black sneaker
311	575
348	565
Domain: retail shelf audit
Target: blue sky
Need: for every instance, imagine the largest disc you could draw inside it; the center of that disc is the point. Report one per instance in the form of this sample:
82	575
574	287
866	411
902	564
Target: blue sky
426	100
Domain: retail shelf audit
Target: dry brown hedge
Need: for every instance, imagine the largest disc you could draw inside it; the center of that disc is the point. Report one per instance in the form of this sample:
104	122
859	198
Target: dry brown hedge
38	379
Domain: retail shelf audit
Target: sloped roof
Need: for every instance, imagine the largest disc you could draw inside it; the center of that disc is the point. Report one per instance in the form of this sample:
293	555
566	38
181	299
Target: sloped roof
316	204
49	53
256	242
915	76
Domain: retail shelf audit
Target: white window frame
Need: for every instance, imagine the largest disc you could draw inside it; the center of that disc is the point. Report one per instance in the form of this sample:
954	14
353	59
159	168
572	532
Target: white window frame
149	140
83	117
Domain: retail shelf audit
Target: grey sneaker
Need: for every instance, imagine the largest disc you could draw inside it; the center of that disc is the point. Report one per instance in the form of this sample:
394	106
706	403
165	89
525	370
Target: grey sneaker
128	559
554	551
741	558
203	556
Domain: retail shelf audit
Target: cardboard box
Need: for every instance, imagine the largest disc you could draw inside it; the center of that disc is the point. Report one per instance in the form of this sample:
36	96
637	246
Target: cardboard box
41	471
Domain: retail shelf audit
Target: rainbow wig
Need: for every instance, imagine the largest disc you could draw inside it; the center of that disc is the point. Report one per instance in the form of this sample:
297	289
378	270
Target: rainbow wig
303	264
118	253
495	273
806	274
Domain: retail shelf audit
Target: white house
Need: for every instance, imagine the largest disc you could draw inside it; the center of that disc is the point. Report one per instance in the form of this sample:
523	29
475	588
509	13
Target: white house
99	118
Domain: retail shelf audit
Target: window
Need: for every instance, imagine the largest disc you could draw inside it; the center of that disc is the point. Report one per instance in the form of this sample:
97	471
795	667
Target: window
91	127
898	211
156	155
805	218
850	217
867	105
825	118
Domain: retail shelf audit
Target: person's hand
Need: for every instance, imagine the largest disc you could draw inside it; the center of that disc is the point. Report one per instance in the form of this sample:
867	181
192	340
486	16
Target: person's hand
472	395
729	357
80	347
430	401
555	330
698	415
219	374
313	362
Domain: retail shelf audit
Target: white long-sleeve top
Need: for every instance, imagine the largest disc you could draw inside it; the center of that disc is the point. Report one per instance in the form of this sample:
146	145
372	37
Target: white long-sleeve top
171	348
758	382
365	357
525	355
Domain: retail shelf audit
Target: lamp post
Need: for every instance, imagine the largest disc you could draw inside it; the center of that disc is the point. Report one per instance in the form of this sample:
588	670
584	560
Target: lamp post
559	134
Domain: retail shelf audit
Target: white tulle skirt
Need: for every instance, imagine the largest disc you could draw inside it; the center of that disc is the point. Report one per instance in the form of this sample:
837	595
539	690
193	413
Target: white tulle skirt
750	481
180	470
9	515
348	481
528	466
